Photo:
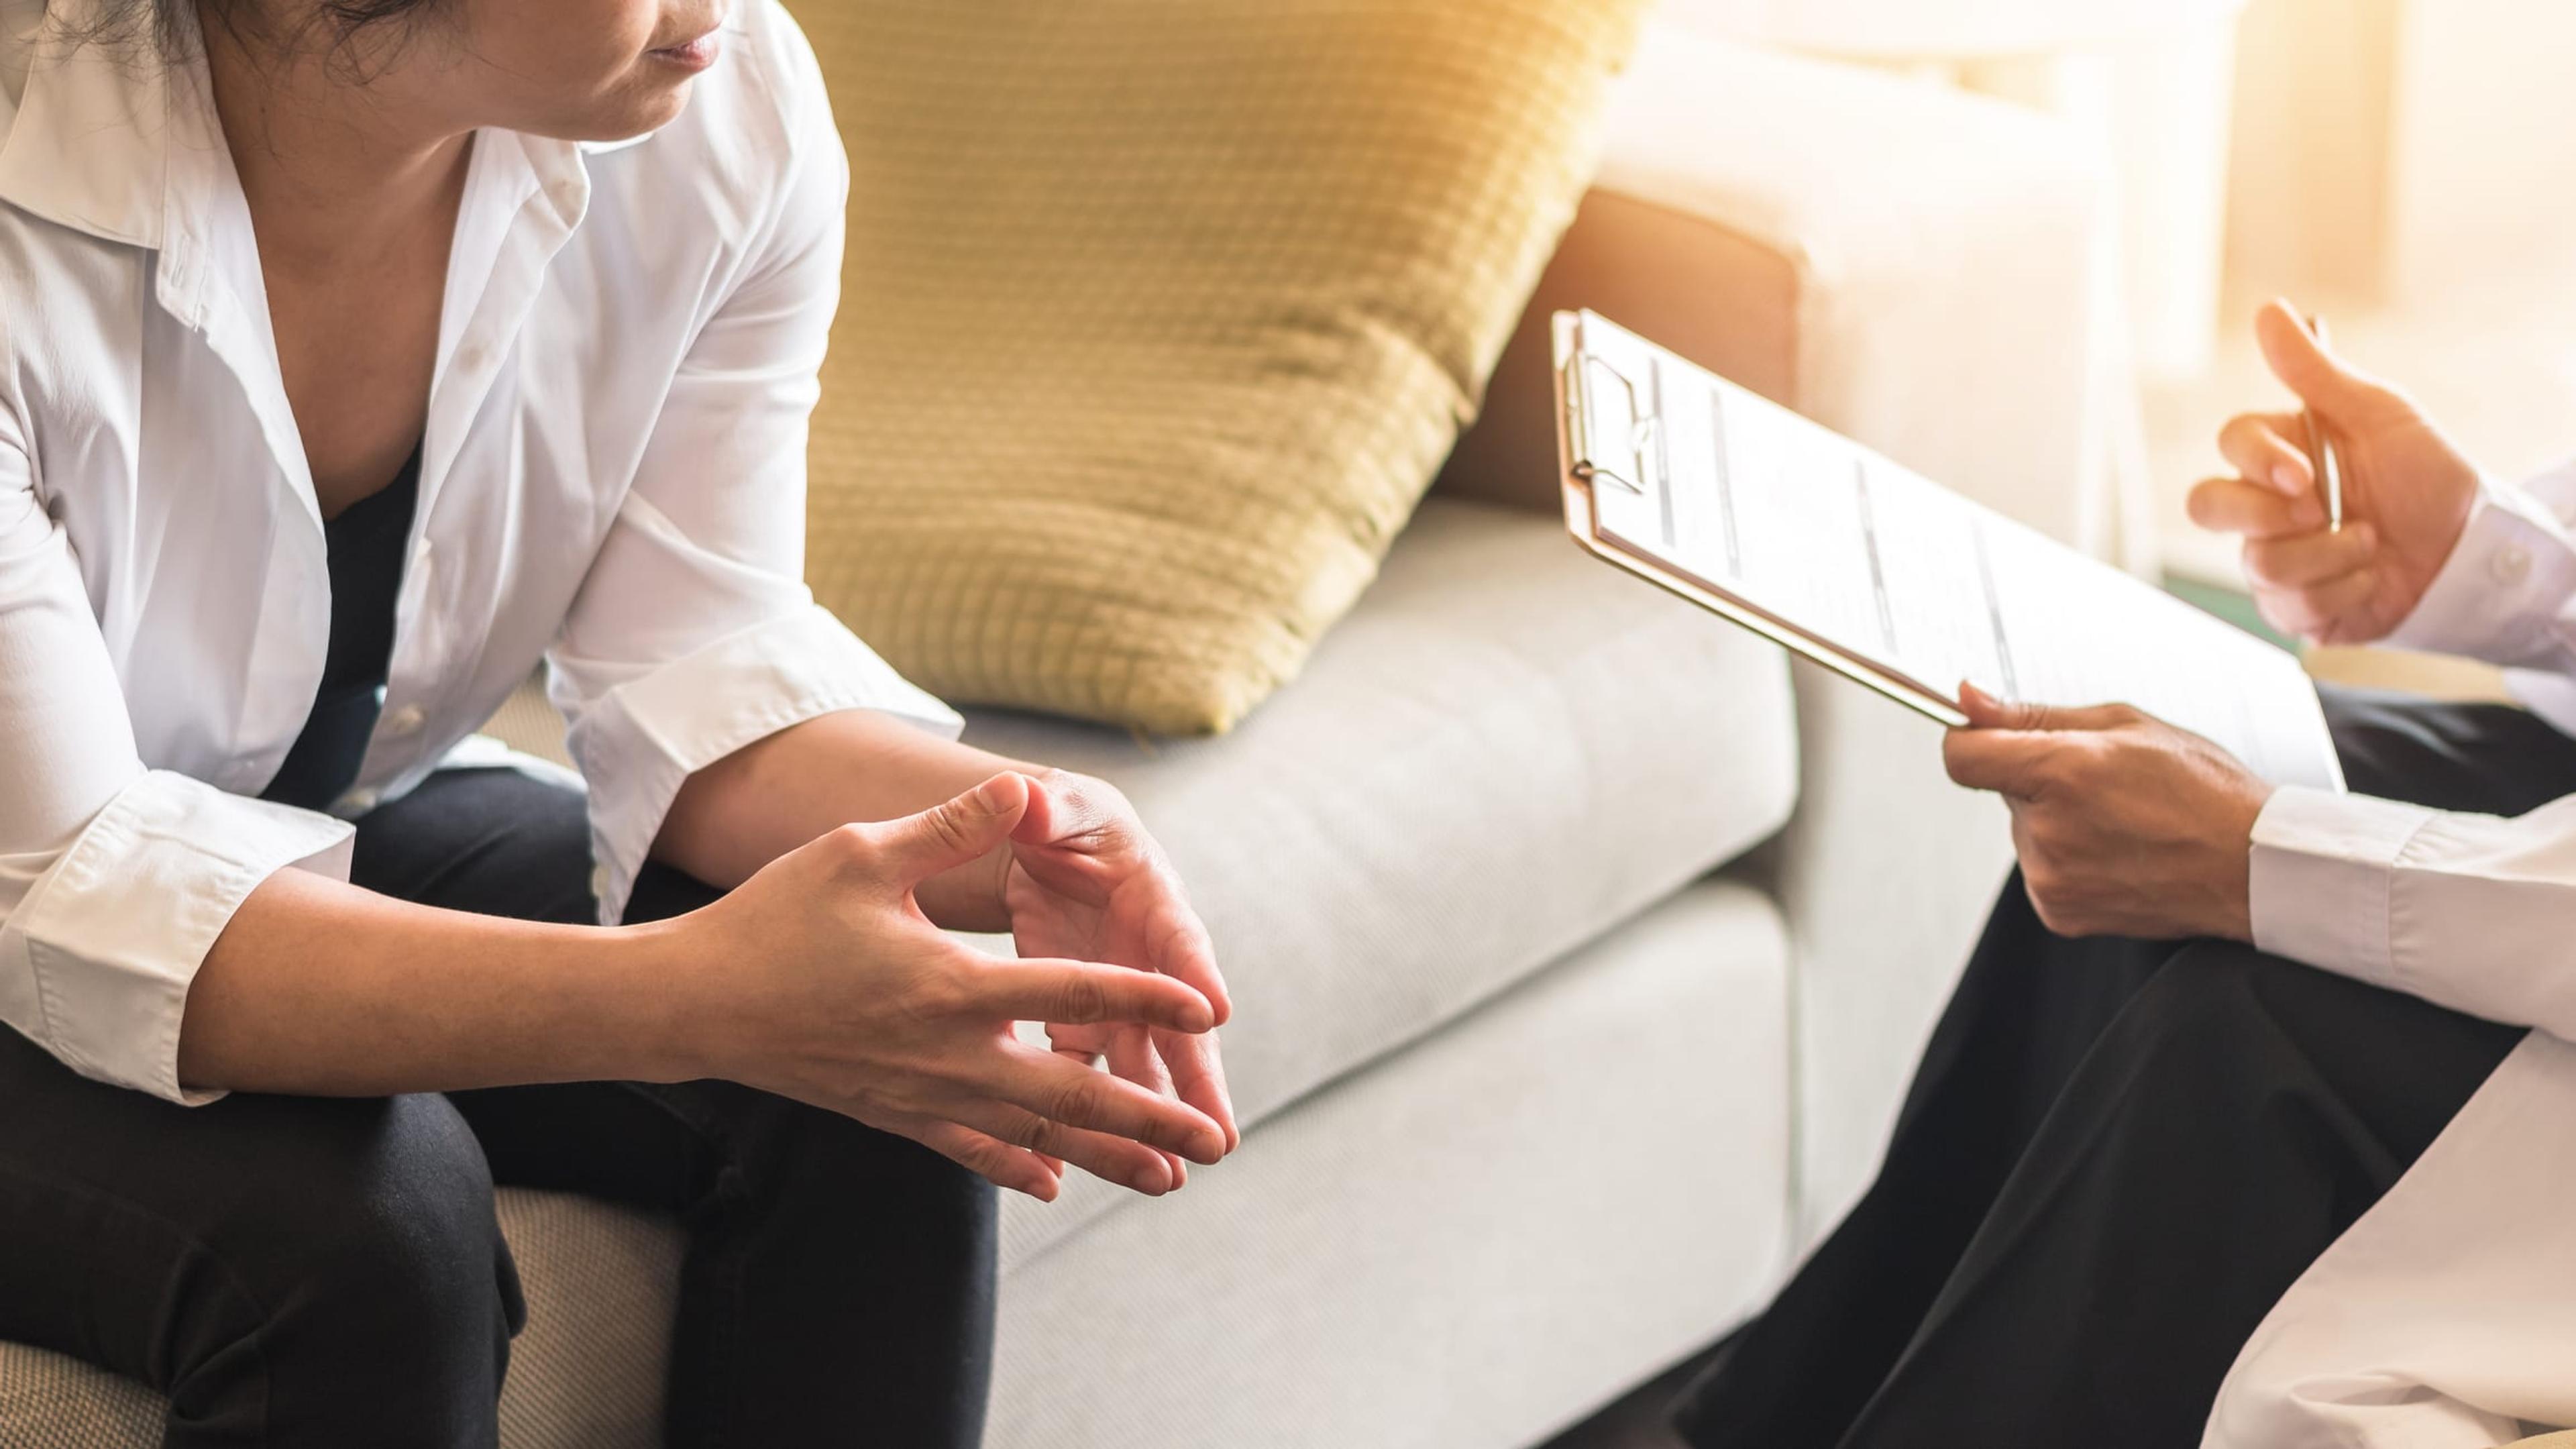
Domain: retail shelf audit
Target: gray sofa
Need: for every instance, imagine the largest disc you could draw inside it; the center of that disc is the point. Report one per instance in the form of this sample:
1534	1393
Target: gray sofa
1582	945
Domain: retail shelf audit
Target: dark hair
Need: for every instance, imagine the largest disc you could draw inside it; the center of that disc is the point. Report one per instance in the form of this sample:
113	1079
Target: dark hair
169	24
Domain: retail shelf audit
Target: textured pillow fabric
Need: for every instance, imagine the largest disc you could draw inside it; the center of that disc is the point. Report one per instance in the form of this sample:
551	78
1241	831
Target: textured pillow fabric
1161	314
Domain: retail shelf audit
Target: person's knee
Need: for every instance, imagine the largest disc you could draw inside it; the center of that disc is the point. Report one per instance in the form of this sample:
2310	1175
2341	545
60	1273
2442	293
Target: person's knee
345	1281
394	1239
2212	1017
790	1150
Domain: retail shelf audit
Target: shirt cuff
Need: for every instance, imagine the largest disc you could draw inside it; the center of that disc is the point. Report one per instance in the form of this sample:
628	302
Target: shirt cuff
96	961
2499	594
2322	869
639	743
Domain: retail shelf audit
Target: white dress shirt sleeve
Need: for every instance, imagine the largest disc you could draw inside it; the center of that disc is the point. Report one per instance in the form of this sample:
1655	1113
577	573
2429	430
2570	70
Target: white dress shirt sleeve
2470	912
115	880
2465	911
693	634
2507	594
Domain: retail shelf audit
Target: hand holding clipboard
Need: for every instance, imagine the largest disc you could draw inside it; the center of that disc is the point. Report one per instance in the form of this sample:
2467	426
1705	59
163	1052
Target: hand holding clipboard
1876	572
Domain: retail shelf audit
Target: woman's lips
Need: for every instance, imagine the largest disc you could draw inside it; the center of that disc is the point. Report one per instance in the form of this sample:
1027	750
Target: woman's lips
696	54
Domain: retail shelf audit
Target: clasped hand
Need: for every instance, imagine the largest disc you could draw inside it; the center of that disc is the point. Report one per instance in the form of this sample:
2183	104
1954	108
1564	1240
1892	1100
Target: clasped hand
2128	826
837	990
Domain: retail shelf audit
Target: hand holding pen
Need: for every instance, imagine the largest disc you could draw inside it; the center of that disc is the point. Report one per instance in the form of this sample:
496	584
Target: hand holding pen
2349	506
2323	461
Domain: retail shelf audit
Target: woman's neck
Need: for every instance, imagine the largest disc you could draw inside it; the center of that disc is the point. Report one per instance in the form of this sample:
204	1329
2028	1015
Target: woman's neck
329	165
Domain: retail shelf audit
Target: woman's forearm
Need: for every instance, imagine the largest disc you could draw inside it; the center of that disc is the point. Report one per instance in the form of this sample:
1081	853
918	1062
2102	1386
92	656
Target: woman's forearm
322	989
766	799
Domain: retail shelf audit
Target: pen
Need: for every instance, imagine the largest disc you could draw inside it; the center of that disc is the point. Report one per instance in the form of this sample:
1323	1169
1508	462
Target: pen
2321	448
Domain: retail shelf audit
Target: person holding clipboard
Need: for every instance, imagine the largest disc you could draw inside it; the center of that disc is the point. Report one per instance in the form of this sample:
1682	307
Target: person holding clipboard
2214	1022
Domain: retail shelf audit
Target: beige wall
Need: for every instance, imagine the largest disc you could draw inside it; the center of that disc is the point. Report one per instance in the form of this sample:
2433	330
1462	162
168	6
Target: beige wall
2401	150
2484	156
2308	195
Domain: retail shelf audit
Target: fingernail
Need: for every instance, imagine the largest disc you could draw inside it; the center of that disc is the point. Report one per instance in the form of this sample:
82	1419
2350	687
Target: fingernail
1198	1017
993	794
2287	479
1154	1180
1207	1146
1971	695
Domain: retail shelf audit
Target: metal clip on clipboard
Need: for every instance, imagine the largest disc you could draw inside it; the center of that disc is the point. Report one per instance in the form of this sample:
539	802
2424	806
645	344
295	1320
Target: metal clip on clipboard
1602	408
1642	433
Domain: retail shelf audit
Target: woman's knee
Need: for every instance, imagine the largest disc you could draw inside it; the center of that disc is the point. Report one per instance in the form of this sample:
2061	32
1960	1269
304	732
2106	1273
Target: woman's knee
801	1154
381	1228
337	1277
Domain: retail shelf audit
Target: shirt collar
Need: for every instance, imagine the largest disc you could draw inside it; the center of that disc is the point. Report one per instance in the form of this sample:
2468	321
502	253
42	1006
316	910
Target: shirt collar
99	138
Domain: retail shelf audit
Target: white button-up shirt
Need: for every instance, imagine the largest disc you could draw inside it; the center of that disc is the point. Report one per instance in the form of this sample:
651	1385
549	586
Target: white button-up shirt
612	479
2447	1315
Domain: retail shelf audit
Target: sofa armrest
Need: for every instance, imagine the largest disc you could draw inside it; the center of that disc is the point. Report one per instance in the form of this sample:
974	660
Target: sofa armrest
1723	299
1885	874
1925	270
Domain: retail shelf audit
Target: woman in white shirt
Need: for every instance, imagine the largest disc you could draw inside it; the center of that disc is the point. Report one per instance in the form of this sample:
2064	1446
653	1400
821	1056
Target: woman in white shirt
2217	1033
354	355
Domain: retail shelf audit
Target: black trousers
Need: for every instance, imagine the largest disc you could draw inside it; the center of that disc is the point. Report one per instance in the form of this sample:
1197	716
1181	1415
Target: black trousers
298	1271
2118	1155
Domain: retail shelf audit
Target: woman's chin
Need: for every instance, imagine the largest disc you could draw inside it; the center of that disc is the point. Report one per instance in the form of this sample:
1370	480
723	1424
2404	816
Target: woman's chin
648	105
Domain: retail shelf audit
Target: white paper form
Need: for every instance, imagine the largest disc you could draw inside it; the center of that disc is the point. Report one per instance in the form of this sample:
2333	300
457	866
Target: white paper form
1881	566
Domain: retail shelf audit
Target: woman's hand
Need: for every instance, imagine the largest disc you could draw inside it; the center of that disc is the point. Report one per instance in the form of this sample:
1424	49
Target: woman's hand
1084	879
2125	825
2407	496
830	986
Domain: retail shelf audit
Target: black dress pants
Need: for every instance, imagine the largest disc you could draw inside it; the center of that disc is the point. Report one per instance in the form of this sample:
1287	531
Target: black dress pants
313	1273
2118	1155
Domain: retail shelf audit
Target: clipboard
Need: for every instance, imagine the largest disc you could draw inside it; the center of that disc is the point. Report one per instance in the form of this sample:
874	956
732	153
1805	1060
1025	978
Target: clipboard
1607	436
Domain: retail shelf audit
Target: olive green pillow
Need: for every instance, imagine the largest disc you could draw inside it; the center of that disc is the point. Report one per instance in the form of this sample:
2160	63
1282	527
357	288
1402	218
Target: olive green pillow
1160	315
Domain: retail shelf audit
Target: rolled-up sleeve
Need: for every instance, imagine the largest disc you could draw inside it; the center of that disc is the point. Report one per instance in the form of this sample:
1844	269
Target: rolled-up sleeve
693	633
115	880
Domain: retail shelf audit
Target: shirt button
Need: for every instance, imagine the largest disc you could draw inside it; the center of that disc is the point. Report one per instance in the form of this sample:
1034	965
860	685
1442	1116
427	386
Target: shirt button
403	721
2512	565
599	882
358	802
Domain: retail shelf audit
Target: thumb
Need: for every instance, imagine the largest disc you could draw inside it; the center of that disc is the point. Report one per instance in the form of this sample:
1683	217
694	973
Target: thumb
1986	712
2338	391
949	835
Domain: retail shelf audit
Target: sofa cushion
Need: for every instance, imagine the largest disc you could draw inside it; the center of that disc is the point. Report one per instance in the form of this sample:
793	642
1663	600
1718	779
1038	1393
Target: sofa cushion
1505	750
1159	317
1462	1247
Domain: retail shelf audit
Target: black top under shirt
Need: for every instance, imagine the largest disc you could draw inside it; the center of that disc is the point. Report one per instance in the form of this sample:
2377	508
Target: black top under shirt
367	544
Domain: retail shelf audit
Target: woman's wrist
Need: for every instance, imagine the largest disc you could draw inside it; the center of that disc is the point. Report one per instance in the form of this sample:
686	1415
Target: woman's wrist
667	1007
